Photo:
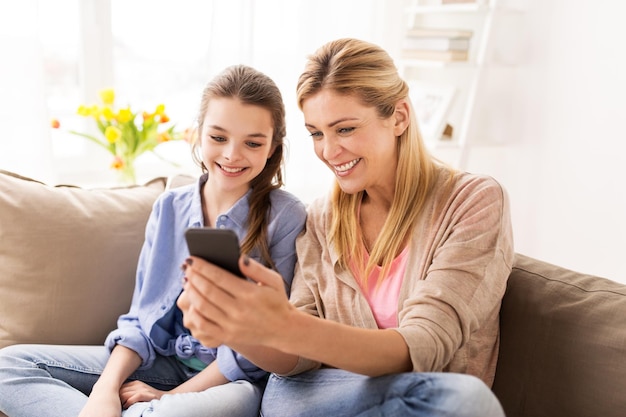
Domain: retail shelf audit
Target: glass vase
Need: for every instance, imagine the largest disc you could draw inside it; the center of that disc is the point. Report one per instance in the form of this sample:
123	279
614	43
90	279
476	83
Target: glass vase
127	175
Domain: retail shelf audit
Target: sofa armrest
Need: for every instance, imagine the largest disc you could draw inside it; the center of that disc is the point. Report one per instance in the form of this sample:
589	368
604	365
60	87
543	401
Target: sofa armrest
563	343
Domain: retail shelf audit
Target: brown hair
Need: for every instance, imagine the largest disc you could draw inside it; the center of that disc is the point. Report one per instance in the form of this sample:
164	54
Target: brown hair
255	88
365	71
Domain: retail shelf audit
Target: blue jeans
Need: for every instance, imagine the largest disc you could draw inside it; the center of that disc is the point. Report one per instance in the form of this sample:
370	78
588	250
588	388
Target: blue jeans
337	393
46	380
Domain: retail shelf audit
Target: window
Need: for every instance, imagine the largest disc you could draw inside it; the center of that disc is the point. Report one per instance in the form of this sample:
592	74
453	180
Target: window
151	52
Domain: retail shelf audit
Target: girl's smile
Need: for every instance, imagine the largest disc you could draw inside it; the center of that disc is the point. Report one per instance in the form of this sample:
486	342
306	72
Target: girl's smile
232	171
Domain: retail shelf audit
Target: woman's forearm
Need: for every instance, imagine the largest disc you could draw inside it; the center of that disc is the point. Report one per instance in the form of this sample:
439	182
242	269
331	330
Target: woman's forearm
370	352
268	358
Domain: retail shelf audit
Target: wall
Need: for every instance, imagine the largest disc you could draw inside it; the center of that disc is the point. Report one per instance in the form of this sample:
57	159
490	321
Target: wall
563	163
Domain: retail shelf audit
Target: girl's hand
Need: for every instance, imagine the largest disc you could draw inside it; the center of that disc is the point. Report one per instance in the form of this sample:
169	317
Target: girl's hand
137	391
220	308
102	403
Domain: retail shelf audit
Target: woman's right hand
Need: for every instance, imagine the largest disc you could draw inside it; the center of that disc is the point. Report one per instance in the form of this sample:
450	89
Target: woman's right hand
219	308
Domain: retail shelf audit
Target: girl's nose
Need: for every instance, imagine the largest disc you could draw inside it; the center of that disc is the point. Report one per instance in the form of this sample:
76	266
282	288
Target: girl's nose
231	151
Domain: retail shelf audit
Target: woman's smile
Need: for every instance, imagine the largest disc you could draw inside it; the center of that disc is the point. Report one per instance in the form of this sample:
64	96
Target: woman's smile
344	169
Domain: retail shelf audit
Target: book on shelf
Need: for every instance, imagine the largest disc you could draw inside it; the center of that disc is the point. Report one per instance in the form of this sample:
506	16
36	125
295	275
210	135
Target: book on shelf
433	55
437	44
426	32
460	1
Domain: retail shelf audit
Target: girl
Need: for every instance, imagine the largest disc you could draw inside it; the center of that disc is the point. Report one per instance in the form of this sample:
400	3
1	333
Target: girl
400	274
151	365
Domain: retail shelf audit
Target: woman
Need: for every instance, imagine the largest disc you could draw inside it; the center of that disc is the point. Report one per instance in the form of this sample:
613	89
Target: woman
400	273
151	365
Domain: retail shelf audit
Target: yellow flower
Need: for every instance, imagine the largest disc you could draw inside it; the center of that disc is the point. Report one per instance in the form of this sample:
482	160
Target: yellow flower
124	115
108	113
94	111
107	95
112	134
82	110
122	133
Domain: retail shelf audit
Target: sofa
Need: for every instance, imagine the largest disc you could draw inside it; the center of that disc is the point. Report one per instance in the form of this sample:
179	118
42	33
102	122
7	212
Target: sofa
67	264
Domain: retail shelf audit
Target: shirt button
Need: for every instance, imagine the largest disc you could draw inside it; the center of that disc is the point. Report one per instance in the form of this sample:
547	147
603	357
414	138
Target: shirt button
222	226
223	218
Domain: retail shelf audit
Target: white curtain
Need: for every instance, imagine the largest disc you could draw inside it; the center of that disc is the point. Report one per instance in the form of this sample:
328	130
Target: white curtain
24	142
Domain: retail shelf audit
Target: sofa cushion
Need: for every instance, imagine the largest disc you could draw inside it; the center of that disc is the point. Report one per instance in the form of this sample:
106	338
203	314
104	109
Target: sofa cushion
563	343
67	258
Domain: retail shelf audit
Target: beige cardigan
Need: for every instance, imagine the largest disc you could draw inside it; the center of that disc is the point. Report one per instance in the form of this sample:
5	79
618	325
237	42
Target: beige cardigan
460	257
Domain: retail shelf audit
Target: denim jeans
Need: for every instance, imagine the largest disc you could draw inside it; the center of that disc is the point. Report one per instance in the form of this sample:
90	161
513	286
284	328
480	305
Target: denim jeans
54	381
337	393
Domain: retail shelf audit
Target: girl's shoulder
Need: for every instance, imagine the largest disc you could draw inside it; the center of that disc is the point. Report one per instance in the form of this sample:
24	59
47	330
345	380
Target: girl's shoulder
183	200
287	210
183	192
283	198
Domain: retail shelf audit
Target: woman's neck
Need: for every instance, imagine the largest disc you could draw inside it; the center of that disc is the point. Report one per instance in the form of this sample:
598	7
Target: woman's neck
372	216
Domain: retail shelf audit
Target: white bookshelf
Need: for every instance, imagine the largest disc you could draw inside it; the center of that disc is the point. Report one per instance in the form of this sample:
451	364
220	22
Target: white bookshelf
467	76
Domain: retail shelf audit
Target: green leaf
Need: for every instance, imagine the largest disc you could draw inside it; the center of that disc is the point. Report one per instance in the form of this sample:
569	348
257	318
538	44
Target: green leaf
94	139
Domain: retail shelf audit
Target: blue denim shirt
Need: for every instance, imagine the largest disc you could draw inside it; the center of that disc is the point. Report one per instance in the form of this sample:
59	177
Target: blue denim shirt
154	323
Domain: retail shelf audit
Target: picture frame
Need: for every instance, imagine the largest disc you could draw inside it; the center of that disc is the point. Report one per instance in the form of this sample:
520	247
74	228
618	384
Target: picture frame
431	103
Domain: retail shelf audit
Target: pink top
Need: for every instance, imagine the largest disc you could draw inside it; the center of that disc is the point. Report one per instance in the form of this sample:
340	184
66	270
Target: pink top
383	297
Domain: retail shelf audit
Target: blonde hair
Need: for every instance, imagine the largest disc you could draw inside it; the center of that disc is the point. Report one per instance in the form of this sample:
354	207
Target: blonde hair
365	71
251	87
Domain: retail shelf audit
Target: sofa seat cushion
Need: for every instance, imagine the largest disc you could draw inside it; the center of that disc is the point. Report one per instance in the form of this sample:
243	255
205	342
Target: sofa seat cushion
67	258
563	343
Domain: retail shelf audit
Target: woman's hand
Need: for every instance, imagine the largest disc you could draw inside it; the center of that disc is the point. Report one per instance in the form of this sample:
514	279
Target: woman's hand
137	391
257	320
220	308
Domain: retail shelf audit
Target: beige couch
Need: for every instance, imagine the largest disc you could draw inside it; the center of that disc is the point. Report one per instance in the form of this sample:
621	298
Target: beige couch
67	263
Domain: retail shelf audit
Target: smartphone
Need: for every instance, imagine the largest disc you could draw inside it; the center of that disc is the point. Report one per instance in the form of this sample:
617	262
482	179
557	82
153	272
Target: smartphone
218	246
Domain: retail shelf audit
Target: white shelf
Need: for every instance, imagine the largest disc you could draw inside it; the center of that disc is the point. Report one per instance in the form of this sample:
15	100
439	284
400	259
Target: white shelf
448	8
477	17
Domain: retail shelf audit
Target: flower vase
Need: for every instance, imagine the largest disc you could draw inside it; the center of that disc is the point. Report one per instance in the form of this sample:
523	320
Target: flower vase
127	174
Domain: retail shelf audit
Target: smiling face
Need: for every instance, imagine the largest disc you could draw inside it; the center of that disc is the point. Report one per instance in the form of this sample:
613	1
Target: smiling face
236	142
353	141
